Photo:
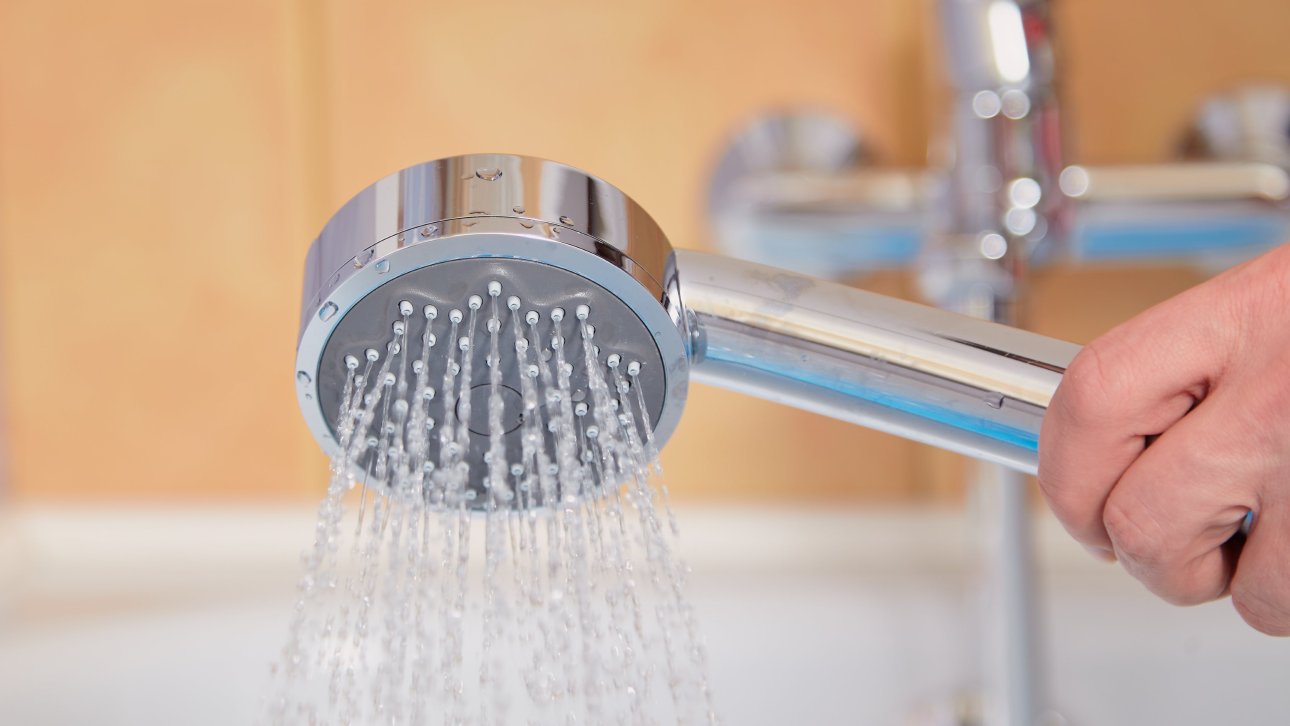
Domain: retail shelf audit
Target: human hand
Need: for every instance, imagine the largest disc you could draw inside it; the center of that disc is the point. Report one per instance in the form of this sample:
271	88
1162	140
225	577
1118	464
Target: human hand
1169	429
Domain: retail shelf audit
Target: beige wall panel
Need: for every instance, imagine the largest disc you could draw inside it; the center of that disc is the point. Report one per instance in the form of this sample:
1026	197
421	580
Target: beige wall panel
151	248
1137	70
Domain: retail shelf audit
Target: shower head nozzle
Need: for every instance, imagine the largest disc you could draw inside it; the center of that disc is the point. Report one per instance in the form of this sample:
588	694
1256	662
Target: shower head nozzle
412	275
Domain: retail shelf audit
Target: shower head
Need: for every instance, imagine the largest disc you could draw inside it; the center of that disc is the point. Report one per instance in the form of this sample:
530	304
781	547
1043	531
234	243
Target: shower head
415	279
435	252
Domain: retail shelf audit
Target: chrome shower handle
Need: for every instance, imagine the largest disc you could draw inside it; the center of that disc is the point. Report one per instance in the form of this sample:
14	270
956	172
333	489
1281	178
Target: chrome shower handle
952	381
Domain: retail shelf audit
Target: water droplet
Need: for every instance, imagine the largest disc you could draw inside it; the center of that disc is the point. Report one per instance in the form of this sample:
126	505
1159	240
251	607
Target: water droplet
428	230
489	173
382	266
303	377
526	225
328	311
566	220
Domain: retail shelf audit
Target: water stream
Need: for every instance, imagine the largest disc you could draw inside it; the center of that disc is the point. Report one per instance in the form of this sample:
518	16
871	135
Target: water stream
535	584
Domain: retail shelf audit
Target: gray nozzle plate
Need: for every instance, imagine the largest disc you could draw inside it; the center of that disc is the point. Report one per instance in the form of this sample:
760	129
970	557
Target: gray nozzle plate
449	285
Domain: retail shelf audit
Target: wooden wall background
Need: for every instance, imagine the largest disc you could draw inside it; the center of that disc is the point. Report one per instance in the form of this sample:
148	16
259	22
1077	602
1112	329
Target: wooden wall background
164	165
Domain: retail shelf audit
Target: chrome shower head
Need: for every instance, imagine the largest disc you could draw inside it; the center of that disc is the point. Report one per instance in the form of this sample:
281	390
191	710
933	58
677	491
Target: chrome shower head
529	248
453	244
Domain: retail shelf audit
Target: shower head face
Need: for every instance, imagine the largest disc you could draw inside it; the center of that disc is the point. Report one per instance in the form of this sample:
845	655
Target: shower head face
550	241
549	300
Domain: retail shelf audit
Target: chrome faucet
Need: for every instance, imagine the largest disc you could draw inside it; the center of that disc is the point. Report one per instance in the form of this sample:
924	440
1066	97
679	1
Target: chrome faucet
999	196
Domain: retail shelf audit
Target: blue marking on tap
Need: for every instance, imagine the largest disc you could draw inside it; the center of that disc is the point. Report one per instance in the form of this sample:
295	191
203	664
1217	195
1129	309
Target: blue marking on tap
1182	237
825	252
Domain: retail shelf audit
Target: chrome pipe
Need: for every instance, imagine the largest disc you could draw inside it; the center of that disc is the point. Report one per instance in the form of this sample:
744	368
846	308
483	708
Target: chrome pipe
958	383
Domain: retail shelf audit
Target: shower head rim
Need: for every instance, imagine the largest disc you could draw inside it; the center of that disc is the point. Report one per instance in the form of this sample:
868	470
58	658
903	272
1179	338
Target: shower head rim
399	205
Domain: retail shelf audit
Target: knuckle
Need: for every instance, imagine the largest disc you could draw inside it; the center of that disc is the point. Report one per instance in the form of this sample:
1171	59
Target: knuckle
1260	612
1087	387
1135	538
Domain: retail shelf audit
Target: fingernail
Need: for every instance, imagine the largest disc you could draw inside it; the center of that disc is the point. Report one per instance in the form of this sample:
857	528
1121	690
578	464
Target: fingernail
1101	553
